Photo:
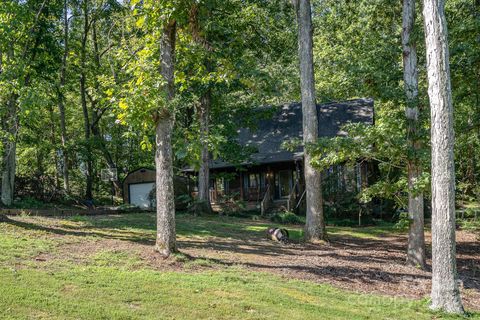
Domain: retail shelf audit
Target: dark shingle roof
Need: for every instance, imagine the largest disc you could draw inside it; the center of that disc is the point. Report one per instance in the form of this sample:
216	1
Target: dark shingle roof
286	124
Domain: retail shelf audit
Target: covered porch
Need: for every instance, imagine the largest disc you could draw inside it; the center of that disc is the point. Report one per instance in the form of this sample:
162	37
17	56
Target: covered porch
281	184
259	186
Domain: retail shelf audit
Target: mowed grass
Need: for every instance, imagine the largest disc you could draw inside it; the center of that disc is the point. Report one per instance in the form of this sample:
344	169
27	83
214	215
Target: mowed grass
117	285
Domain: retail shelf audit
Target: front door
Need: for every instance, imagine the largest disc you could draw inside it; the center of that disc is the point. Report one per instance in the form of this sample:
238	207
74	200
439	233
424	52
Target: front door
284	183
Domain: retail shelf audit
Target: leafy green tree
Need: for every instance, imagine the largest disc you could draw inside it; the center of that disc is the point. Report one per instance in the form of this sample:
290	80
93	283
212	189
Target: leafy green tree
315	222
359	48
24	53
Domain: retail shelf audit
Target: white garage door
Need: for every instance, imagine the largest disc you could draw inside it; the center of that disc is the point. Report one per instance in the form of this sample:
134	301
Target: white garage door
139	194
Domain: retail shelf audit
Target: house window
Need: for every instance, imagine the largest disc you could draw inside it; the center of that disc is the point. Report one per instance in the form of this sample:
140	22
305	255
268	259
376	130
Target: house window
253	180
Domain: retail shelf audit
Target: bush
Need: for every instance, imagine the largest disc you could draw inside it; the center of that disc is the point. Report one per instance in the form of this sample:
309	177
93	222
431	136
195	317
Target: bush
345	223
469	224
232	204
287	218
471	213
30	203
183	202
403	222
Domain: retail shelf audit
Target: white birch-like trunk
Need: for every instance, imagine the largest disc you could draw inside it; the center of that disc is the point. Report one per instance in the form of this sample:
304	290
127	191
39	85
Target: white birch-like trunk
416	235
315	223
166	235
445	291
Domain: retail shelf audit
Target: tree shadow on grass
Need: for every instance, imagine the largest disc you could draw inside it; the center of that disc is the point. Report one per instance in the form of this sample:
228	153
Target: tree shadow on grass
141	228
90	232
373	276
346	260
250	248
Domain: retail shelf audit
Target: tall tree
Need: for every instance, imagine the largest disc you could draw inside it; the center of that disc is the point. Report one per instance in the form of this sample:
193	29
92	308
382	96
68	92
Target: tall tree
10	126
203	113
83	100
315	223
203	108
416	236
166	237
445	291
61	100
98	109
21	46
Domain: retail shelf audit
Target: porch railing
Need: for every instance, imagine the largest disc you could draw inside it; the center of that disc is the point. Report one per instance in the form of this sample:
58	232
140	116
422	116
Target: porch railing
265	203
292	197
213	195
299	202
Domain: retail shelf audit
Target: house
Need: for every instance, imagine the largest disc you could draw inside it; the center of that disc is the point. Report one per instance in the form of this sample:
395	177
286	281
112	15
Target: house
274	175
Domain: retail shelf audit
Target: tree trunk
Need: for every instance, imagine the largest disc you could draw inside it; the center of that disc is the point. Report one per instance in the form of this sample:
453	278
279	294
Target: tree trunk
203	113
83	96
166	237
416	236
10	126
11	122
53	138
8	173
315	223
445	291
61	102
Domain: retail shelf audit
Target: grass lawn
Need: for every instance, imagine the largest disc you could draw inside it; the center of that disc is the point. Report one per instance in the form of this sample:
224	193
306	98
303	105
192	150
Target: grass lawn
48	271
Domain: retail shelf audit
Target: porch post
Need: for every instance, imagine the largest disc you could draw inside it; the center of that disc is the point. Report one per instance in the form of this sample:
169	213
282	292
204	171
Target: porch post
241	186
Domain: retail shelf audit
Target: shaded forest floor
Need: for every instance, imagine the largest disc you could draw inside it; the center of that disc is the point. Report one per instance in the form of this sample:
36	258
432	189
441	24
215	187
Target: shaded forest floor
366	261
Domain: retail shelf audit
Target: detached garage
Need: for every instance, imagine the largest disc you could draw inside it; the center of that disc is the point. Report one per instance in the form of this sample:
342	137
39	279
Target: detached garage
139	188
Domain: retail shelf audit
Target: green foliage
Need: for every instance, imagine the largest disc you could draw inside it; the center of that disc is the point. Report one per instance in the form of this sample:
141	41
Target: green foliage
403	221
469	224
30	203
383	144
287	218
243	52
344	223
232	205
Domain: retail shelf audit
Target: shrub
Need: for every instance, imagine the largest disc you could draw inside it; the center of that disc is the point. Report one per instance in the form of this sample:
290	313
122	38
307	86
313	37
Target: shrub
470	225
29	203
232	204
346	223
287	218
403	221
471	213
